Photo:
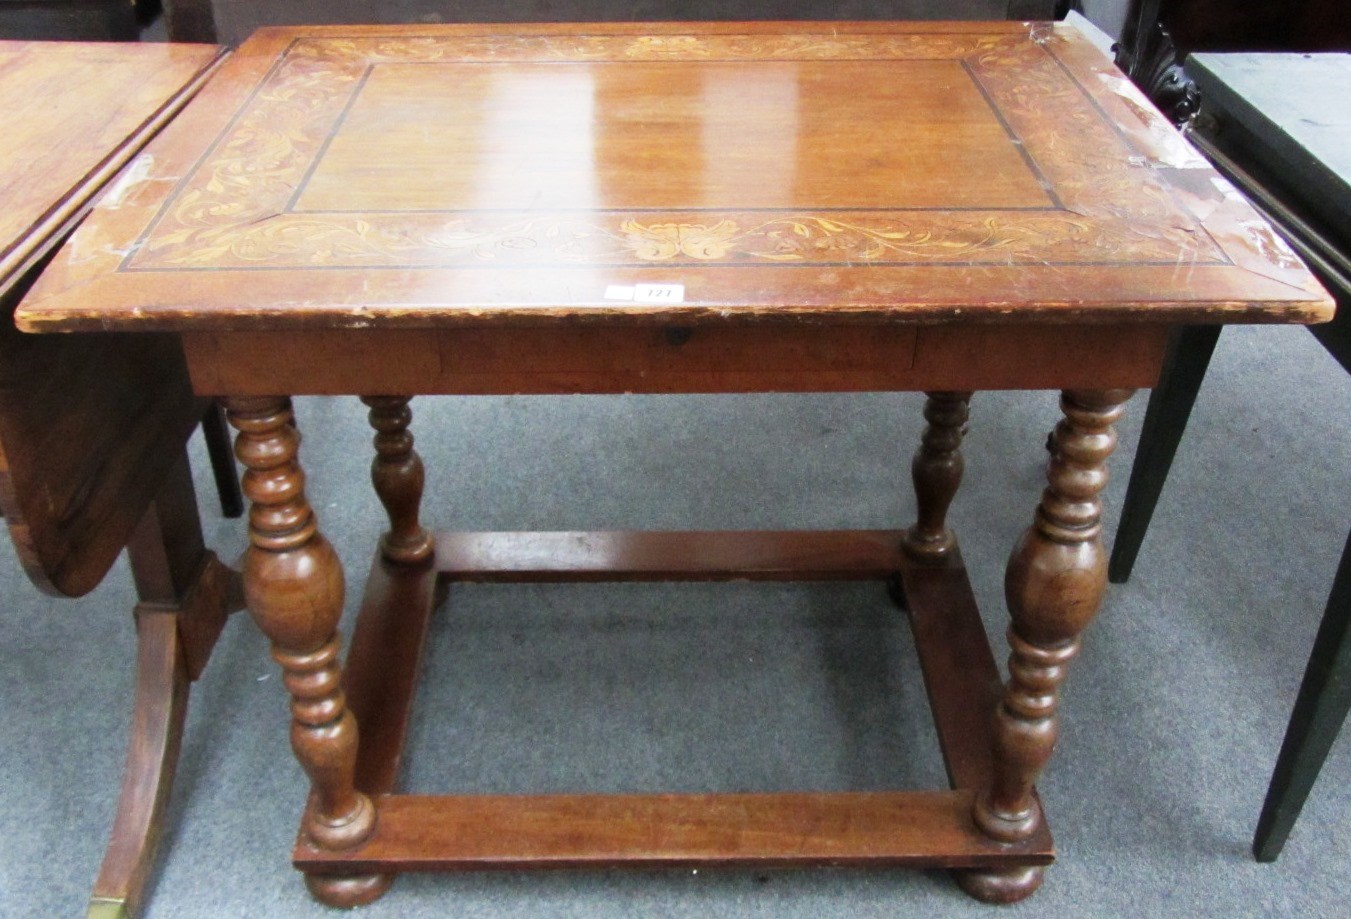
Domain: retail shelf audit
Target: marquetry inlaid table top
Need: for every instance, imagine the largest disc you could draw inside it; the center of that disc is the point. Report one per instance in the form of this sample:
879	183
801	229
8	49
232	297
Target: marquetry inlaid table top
346	177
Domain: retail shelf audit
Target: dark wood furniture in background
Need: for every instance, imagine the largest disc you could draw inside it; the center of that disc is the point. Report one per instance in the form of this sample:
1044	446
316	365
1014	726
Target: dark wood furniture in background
1159	34
1279	126
93	428
231	21
460	210
1157	37
75	20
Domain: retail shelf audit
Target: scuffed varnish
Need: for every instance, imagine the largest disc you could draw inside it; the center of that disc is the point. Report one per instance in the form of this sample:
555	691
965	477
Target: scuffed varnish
130	179
1165	144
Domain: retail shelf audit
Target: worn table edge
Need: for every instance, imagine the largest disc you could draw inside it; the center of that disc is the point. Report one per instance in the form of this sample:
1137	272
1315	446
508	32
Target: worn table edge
54	226
1280	297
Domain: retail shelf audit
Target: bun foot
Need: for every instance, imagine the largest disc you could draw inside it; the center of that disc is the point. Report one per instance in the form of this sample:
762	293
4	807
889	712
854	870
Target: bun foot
347	890
1008	886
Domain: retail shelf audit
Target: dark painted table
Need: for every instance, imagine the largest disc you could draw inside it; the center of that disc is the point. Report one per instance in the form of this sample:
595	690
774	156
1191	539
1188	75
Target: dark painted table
1279	126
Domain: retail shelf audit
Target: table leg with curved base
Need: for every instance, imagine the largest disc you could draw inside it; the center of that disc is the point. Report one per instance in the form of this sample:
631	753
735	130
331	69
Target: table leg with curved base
185	596
152	753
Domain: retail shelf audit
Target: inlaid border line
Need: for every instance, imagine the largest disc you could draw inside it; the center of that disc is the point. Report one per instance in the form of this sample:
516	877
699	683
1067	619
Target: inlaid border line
191	173
1134	148
1046	185
318	157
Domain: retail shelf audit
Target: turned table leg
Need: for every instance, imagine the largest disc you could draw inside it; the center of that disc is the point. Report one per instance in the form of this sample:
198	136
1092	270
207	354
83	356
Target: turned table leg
1054	584
293	586
396	473
937	472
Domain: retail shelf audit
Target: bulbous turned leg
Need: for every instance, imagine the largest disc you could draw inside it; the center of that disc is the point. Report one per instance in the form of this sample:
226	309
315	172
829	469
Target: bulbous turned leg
937	473
1054	584
398	478
293	586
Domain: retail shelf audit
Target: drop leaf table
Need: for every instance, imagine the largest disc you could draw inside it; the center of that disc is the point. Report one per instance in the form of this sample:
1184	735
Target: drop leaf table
93	427
683	208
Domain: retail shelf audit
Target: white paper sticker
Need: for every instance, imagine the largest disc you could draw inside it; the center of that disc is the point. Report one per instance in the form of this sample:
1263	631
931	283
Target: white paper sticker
647	293
659	293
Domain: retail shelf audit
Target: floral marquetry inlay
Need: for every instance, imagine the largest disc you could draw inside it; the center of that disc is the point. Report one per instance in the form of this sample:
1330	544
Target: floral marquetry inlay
1104	203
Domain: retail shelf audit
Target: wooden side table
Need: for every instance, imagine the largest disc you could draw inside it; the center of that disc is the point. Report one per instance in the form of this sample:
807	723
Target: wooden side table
679	208
93	427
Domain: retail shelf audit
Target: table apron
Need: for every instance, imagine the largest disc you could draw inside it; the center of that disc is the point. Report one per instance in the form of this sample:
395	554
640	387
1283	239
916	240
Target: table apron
675	359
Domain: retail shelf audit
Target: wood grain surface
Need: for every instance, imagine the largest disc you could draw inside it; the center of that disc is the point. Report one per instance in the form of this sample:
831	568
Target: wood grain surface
329	178
670	556
476	832
90	425
74	114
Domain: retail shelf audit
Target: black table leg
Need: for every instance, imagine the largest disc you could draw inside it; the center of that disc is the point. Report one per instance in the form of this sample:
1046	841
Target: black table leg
221	451
1170	405
1321	707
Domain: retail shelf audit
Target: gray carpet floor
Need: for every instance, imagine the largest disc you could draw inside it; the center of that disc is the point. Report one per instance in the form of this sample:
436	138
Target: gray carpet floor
1172	715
